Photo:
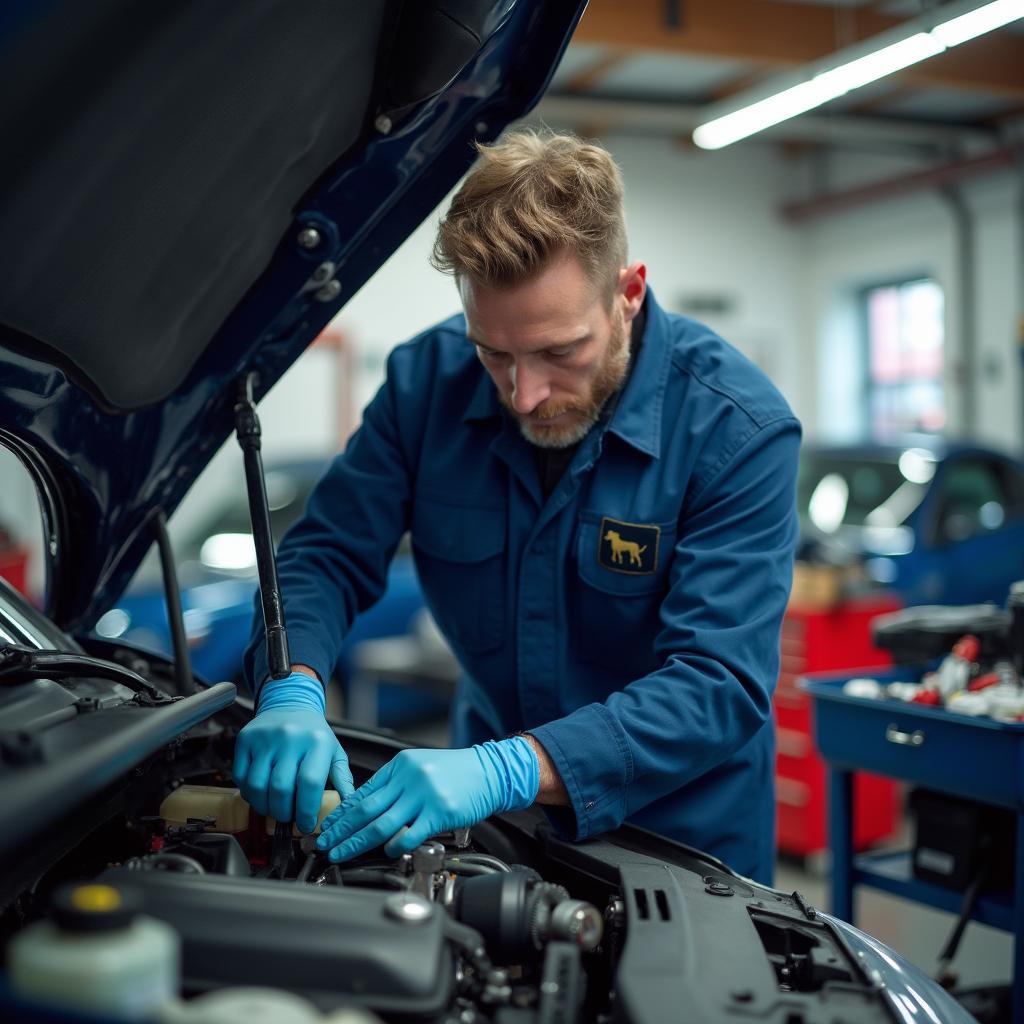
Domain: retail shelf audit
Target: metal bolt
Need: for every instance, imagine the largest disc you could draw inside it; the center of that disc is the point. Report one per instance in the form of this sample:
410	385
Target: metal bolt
322	273
383	124
719	889
575	921
407	908
329	292
480	127
309	238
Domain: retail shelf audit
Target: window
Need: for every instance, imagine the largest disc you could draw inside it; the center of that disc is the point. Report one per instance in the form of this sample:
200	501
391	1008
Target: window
905	358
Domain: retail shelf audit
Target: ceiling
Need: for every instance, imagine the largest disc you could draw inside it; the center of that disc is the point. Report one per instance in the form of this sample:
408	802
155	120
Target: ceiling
650	66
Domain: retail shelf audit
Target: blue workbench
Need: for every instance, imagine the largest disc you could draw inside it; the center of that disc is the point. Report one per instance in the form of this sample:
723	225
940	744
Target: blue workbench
976	758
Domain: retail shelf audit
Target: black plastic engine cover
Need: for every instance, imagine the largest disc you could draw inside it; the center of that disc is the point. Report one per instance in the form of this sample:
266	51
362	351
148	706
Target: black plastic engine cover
335	946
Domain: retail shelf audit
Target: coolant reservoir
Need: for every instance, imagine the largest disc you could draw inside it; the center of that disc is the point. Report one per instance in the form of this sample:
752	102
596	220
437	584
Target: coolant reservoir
97	956
225	806
246	1005
328	802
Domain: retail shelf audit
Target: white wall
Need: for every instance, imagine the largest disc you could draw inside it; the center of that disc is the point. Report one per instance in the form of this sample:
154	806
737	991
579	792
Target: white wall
904	236
999	321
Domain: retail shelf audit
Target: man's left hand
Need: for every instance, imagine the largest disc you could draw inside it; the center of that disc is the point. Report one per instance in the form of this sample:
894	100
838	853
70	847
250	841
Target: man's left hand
422	792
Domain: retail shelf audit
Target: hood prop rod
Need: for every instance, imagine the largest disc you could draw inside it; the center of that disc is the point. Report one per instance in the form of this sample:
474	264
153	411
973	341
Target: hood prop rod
247	428
183	677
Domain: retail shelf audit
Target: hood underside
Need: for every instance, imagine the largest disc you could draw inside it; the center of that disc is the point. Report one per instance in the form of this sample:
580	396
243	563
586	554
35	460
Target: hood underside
191	192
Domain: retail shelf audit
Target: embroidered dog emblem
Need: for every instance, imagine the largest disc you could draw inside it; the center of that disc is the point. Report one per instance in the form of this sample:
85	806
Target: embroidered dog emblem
628	547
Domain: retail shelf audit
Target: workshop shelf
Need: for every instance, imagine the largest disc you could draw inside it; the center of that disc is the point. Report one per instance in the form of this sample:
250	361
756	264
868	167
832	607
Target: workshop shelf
892	871
976	758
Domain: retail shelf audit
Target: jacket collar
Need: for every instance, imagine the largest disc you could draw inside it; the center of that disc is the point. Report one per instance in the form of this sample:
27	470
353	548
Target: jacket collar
637	416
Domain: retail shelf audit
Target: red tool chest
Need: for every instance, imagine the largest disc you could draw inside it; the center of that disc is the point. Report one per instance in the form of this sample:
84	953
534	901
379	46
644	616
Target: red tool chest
813	640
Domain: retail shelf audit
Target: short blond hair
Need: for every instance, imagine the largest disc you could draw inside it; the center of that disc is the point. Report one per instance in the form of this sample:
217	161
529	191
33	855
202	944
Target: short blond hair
529	197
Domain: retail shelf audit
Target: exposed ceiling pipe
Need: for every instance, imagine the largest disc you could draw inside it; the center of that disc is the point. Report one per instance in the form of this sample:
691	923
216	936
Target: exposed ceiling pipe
933	177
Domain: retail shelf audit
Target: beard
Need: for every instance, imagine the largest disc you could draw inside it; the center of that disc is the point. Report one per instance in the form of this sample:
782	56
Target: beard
581	413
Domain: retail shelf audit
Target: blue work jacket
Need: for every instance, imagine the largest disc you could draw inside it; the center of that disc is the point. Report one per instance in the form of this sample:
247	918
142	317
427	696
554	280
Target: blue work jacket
630	621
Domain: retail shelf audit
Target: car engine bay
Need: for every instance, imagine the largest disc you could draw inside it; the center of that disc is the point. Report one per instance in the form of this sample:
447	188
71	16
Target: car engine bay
505	922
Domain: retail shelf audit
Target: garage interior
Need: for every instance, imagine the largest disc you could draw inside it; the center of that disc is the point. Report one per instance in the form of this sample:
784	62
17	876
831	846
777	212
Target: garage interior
868	255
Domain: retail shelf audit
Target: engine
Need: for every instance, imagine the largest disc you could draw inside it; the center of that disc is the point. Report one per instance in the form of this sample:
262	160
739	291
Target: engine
445	933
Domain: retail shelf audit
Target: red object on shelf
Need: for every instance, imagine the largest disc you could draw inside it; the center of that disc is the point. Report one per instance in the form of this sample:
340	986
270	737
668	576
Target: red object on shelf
815	640
14	566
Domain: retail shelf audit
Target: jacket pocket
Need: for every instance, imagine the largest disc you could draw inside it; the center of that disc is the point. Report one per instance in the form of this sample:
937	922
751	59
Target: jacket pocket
616	606
460	557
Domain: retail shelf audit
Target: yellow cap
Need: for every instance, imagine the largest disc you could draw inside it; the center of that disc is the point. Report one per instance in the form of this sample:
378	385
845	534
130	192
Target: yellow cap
96	899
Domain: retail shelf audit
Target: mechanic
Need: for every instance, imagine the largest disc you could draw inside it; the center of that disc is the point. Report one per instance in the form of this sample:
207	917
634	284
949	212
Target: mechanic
601	501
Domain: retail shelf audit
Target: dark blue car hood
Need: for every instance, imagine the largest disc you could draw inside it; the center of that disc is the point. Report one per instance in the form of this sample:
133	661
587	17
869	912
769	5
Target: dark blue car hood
190	192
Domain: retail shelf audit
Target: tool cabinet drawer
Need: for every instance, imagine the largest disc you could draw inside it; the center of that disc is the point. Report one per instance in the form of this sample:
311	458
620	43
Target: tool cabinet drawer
974	757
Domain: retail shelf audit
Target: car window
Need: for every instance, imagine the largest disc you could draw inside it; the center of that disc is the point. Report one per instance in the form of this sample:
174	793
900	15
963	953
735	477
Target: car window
840	489
974	498
287	494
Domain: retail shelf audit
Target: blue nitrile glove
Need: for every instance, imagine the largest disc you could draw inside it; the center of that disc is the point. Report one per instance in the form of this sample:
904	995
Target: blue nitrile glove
285	755
431	791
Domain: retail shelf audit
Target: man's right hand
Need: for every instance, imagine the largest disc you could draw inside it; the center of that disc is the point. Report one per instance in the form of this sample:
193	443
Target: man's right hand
286	754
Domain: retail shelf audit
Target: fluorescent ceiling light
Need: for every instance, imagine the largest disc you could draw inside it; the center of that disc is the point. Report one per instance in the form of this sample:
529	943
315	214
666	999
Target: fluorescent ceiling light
886	61
978	22
824	86
892	51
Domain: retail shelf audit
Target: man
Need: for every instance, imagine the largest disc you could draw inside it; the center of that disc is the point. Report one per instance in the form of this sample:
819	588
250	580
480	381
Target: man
601	502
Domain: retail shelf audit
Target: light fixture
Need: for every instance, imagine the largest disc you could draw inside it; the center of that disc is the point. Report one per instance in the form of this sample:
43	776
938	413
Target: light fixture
852	68
977	22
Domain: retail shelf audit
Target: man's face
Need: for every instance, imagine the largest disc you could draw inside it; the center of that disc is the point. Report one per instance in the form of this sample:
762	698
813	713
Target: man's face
554	349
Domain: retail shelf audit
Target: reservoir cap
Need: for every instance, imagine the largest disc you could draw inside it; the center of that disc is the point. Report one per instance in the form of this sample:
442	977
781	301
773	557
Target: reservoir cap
92	908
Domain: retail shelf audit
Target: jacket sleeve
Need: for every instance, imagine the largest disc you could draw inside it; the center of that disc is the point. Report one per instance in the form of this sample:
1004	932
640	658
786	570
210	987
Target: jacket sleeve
333	562
718	647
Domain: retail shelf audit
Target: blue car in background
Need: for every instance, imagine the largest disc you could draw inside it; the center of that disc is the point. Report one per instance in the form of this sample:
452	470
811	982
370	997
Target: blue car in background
217	572
937	522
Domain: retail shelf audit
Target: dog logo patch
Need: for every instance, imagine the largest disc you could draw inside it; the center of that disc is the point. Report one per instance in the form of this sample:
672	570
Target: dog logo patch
628	547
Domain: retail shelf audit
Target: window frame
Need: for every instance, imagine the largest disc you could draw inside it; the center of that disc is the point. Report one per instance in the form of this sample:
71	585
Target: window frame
867	388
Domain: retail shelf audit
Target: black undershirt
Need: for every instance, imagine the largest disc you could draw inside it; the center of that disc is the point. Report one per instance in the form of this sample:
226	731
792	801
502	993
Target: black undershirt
553	462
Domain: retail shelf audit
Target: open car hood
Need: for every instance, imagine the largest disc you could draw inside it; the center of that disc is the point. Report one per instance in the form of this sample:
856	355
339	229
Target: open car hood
191	192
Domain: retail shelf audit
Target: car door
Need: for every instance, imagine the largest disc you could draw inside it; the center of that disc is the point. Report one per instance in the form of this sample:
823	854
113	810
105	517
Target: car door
977	527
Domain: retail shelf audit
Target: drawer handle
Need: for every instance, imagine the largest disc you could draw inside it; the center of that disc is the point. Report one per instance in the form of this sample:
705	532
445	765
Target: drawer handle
904	739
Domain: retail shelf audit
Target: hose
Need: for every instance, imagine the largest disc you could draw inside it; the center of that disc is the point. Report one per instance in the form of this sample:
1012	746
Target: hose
457	868
478	858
